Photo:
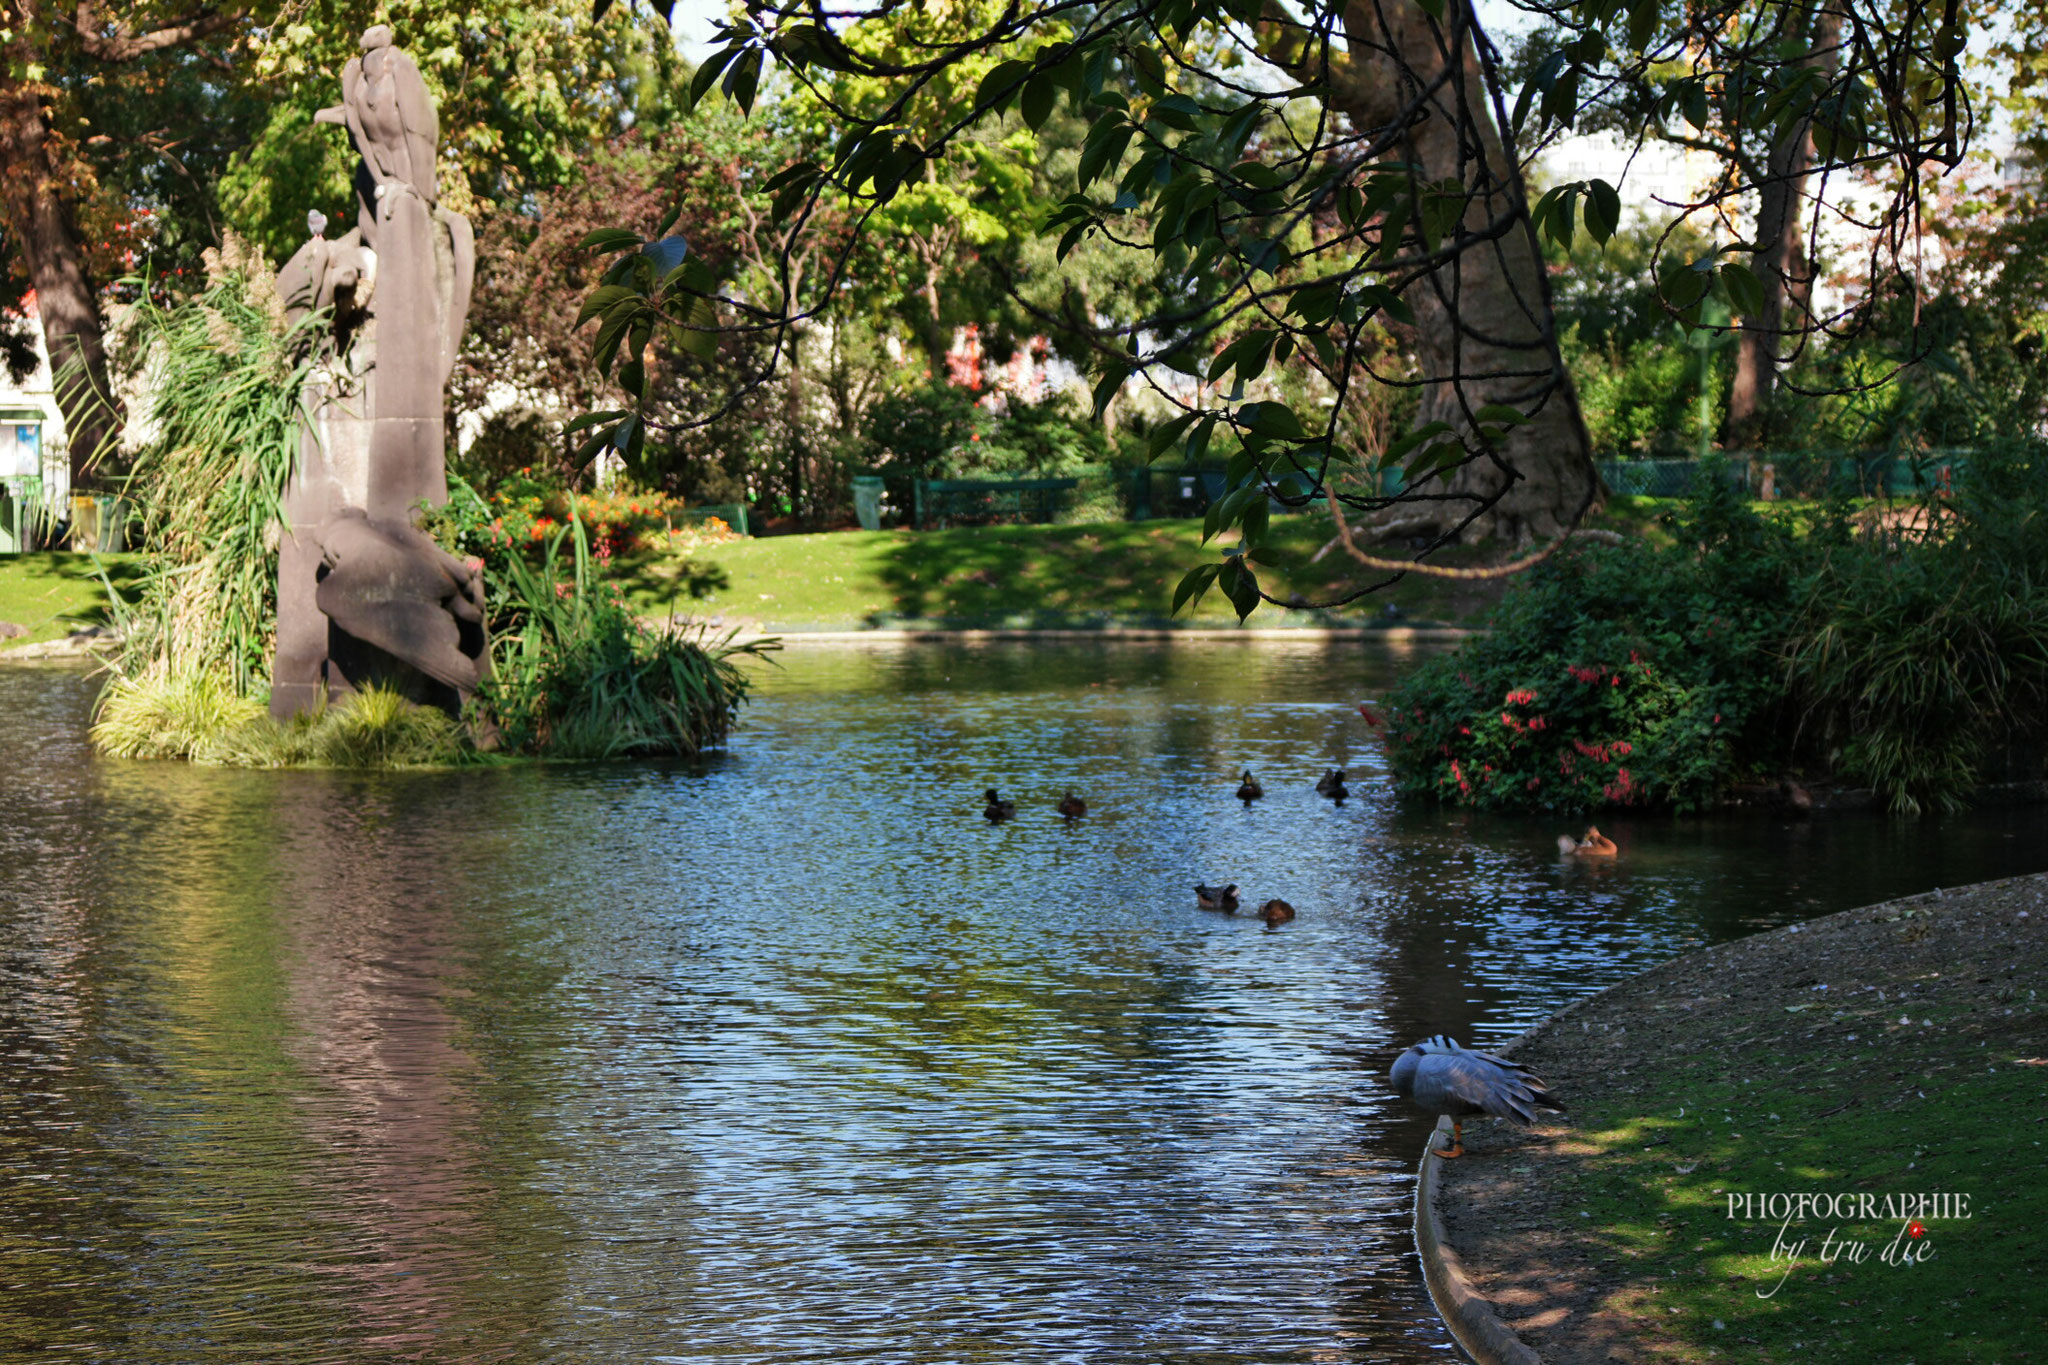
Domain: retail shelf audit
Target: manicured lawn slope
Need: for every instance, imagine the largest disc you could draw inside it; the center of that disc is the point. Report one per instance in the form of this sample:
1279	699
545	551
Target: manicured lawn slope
1121	572
54	593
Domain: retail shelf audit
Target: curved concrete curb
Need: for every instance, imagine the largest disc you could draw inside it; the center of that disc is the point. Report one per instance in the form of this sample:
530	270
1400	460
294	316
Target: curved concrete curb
1468	1314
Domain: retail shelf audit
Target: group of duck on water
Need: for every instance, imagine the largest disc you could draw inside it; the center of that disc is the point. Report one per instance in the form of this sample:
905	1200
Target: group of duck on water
1437	1074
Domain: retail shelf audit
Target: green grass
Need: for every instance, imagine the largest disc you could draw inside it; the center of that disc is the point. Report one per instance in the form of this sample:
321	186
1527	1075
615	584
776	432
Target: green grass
54	592
1106	573
1110	573
1771	1136
1932	1086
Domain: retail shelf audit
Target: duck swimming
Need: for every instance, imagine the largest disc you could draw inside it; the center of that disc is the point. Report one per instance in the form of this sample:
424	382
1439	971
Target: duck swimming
1072	807
1594	845
1216	897
997	810
1276	912
1249	790
1331	784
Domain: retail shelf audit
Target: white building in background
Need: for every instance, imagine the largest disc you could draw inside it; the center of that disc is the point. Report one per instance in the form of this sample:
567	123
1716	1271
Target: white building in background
35	459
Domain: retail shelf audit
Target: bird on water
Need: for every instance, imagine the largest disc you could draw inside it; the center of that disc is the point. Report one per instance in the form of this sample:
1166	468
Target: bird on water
1072	807
1331	784
1458	1083
1276	911
997	810
1216	897
1248	789
1593	845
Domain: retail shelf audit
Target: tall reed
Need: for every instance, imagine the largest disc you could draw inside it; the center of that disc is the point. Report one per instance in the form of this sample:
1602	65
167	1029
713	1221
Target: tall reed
224	376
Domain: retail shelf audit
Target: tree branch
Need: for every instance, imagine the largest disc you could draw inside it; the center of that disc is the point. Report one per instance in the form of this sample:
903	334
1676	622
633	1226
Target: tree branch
122	42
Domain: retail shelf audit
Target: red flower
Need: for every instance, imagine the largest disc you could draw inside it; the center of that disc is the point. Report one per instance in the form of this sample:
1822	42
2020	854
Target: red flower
1367	712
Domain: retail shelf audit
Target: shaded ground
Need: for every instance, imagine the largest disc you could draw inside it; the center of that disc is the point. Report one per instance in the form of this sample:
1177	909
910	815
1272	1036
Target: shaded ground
1897	1049
54	592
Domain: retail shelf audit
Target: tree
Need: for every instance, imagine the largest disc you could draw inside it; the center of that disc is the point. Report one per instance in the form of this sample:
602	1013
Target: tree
1308	173
41	176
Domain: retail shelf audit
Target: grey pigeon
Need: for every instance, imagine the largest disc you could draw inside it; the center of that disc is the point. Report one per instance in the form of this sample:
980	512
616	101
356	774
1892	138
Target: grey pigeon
316	222
1446	1079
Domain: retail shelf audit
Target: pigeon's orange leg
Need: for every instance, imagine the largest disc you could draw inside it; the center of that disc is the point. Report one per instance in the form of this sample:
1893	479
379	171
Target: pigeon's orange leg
1457	1147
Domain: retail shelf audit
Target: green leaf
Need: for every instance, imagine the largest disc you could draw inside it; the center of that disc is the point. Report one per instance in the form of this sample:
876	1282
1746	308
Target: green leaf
994	93
1433	8
1036	105
591	419
1441	455
1745	291
1149	68
1165	436
1242	587
600	299
609	239
1175	111
1257	519
1271	420
1103	149
1603	210
1106	387
743	80
1413	439
1683	287
707	74
1072	238
1194	584
1501	414
1642	22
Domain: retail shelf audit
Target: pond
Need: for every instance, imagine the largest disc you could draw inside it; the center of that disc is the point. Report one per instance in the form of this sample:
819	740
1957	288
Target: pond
789	1055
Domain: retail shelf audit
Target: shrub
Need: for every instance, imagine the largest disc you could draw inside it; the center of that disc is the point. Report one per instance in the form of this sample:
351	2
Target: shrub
1901	657
1615	675
201	717
223	373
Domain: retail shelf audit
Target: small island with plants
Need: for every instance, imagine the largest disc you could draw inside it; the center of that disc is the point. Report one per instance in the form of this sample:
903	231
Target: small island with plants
574	672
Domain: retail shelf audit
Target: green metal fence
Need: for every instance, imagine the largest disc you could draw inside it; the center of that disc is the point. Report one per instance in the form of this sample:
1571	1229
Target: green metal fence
983	502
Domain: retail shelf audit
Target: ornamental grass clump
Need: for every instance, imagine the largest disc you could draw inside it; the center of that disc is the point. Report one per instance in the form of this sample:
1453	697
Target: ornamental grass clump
1924	648
576	676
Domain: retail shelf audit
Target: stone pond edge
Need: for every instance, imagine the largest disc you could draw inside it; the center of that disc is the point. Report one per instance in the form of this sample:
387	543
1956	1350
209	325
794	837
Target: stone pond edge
1466	1312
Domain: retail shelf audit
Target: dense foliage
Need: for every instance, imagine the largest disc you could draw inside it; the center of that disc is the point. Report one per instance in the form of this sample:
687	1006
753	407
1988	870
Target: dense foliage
1615	675
1901	647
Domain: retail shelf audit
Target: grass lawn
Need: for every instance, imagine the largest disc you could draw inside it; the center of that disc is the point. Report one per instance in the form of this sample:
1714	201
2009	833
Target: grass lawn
1892	1051
54	592
993	576
1116	572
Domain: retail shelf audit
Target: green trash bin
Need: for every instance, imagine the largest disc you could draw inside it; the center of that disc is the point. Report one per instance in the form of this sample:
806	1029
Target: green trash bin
867	501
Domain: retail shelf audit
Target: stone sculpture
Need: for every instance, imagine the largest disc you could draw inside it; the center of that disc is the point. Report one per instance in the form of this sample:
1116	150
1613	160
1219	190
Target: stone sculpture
363	595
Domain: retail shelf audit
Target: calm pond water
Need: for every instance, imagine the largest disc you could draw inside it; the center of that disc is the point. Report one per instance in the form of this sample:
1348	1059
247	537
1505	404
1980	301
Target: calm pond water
789	1056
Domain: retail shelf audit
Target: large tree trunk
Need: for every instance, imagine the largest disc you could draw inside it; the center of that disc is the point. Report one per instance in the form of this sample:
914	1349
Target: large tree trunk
1781	265
39	221
1484	331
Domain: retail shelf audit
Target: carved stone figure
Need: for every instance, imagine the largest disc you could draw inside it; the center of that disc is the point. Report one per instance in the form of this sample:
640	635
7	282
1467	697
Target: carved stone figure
363	596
